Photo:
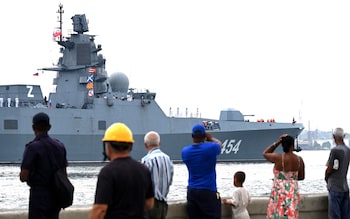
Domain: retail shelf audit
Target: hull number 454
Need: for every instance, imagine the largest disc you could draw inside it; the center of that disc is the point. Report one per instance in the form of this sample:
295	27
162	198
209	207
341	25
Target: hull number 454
230	146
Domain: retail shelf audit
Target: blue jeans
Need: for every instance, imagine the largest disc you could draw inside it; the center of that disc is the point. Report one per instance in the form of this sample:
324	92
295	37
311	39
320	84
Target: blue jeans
338	205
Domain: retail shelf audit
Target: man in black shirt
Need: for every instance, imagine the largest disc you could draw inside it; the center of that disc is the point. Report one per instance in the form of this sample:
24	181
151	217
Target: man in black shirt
124	186
37	170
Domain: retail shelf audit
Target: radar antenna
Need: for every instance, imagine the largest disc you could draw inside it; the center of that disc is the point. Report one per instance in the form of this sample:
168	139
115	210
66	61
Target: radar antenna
60	11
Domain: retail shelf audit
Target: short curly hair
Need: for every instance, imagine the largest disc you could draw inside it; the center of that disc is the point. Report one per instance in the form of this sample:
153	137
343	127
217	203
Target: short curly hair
240	176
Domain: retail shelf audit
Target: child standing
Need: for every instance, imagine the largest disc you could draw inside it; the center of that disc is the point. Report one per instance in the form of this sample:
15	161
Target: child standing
240	198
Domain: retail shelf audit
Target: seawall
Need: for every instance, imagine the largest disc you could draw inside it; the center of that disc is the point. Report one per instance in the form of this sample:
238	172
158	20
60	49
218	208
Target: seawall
311	207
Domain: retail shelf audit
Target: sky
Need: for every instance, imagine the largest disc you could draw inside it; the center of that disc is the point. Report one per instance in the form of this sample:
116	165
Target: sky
270	59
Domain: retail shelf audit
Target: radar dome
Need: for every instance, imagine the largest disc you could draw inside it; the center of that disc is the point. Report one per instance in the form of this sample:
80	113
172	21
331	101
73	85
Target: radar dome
119	82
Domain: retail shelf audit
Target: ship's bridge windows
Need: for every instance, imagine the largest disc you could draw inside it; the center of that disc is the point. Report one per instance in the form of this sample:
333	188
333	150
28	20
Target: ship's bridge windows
102	125
10	124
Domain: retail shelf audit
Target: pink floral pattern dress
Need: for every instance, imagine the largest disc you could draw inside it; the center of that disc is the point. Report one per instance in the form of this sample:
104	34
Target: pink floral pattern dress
285	197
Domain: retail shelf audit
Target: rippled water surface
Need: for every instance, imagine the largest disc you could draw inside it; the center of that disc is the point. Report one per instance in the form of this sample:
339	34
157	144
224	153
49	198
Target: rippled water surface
14	194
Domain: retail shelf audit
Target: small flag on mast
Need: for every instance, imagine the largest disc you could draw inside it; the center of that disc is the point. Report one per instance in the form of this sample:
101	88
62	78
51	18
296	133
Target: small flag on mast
57	33
36	74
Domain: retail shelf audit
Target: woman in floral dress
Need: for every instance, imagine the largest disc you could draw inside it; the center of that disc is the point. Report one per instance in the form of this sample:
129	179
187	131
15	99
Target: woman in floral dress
288	169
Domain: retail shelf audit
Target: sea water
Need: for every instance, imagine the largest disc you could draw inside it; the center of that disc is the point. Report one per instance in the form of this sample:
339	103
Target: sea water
14	194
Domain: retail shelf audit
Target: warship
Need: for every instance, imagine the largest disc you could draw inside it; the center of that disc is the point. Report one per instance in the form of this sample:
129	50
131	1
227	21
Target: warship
86	100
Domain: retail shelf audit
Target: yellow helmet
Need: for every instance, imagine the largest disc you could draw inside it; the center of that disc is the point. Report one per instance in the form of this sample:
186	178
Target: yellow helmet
118	132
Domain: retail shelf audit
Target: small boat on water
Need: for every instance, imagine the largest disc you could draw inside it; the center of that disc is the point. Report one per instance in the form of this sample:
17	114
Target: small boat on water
87	100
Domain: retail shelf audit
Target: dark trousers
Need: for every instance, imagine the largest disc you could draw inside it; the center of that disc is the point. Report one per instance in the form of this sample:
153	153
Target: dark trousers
42	204
159	211
338	205
202	203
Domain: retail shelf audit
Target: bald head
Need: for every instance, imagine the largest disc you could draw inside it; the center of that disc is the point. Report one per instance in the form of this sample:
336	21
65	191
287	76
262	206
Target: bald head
152	140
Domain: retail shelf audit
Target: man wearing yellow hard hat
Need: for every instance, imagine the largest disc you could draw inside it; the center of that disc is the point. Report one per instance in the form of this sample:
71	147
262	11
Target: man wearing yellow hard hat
124	187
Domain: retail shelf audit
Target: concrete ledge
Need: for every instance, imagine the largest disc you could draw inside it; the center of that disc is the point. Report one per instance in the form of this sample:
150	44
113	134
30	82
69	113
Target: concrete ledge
311	207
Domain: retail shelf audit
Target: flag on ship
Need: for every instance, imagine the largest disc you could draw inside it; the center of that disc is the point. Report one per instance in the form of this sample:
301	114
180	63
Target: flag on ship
90	78
92	70
57	33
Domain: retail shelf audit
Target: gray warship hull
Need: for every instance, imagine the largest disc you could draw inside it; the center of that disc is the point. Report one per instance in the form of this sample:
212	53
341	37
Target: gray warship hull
79	131
87	100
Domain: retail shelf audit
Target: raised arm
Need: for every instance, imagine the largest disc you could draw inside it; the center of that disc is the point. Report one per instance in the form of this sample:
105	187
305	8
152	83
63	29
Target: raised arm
209	137
269	151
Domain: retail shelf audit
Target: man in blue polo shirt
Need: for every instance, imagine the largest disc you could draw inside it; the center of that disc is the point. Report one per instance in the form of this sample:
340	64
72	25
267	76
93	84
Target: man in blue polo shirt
203	200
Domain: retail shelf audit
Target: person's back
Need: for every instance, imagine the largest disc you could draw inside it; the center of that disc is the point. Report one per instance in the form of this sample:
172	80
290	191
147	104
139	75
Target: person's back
288	162
37	169
123	183
336	177
124	186
36	159
203	200
240	198
288	169
200	160
162	171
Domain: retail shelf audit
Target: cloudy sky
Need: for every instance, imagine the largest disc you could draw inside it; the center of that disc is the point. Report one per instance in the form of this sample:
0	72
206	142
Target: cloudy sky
271	59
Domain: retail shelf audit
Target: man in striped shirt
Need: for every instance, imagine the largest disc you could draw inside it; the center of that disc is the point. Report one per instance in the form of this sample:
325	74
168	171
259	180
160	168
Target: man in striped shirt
162	171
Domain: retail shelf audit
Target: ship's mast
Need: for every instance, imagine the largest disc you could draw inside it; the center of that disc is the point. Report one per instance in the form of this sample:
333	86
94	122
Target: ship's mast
60	11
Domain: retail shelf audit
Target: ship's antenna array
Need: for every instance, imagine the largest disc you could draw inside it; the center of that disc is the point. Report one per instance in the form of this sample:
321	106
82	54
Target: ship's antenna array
60	11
